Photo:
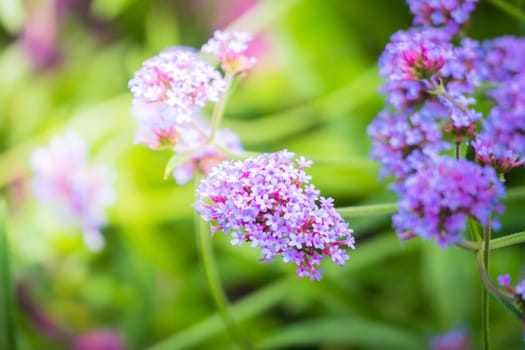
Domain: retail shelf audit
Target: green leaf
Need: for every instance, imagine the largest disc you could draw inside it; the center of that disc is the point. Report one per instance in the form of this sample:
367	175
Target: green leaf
447	275
508	240
7	326
346	331
176	160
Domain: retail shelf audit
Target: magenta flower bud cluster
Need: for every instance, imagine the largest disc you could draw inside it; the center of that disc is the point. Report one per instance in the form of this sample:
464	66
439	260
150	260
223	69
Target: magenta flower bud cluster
268	202
230	48
432	83
79	191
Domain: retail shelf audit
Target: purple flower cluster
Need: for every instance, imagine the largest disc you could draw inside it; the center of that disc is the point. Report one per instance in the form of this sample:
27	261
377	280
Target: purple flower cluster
503	57
506	125
401	141
439	197
433	82
268	202
80	192
450	15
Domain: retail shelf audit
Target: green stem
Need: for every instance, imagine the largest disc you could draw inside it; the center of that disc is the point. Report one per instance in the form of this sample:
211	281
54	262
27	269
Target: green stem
510	9
372	209
214	282
249	306
219	107
469	245
7	324
440	91
505	241
485	305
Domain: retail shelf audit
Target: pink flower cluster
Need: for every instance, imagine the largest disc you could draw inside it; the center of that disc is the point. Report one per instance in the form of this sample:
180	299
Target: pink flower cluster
171	89
230	48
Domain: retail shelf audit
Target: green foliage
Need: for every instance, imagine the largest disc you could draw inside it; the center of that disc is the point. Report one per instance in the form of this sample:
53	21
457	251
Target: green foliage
313	91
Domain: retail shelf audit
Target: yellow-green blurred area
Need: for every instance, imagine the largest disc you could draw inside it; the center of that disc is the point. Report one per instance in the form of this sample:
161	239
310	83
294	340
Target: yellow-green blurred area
65	65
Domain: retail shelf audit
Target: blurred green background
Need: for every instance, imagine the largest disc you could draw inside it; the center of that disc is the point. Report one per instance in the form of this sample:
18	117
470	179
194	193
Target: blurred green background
65	64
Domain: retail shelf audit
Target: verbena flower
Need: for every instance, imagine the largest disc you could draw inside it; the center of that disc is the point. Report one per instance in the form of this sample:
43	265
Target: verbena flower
492	153
401	141
450	15
461	120
519	291
79	191
230	48
415	55
206	155
179	78
439	197
503	57
467	70
457	339
158	125
268	202
506	120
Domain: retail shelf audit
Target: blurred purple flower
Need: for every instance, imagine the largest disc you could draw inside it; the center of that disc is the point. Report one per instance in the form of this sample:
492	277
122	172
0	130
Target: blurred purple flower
439	197
158	126
454	340
99	339
450	15
78	191
179	78
204	159
503	57
267	202
467	70
506	121
230	48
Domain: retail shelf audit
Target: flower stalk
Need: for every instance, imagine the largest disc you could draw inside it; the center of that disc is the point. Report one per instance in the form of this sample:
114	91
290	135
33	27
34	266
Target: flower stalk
214	283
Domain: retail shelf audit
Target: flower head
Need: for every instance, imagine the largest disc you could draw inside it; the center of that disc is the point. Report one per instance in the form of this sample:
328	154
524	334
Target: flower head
79	191
494	154
401	141
503	57
230	48
158	125
415	55
506	121
178	78
439	197
450	15
268	202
